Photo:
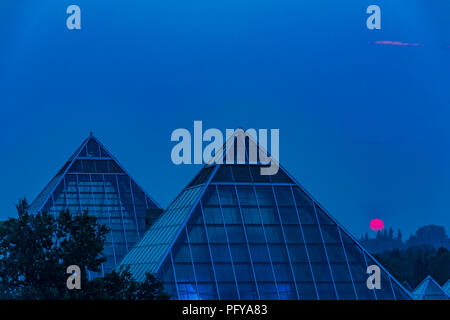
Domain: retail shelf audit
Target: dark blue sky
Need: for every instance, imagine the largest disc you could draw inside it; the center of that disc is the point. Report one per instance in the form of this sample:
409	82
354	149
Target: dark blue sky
363	126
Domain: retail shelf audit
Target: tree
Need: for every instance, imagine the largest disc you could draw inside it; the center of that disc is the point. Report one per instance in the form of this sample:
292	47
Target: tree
430	234
22	206
439	265
391	233
399	236
119	285
36	249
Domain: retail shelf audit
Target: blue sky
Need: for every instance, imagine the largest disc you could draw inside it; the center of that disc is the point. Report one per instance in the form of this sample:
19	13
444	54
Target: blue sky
364	127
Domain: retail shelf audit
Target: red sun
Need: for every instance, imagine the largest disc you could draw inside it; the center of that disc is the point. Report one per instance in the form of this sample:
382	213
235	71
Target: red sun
376	225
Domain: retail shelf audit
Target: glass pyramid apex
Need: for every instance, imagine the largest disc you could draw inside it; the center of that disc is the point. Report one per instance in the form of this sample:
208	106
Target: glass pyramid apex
92	179
229	238
429	289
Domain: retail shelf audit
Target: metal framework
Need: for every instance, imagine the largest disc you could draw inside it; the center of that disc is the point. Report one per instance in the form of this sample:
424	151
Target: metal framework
429	289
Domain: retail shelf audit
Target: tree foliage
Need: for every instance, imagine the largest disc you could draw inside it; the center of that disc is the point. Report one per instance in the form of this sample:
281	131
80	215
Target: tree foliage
36	249
415	263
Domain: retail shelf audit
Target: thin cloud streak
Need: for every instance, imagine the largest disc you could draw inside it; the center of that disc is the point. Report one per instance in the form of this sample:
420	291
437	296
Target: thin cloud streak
399	43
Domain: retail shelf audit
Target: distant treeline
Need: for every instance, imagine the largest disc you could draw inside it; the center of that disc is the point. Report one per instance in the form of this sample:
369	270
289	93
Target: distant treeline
387	240
426	252
413	264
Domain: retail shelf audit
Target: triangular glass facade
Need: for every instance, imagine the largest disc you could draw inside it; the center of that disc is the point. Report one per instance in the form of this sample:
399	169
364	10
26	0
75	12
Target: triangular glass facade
233	233
93	180
429	289
446	287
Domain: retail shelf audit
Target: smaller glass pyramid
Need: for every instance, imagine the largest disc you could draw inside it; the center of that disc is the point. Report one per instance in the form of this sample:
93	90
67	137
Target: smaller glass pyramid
92	179
429	289
446	287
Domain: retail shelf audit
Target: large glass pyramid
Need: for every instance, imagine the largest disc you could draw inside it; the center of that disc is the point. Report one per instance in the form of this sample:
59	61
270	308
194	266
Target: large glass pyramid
234	233
429	289
93	180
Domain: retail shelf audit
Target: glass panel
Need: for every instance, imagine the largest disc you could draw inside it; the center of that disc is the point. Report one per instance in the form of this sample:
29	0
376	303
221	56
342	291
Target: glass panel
312	234
213	215
204	272
274	234
239	253
255	234
216	233
235	233
321	271
184	272
244	272
301	198
284	196
196	233
267	291
227	195
251	215
302	272
232	215
228	291
187	291
335	252
210	197
256	174
307	291
278	253
265	196
288	215
297	253
323	217
181	253
326	291
247	291
200	252
220	253
259	253
307	215
282	272
287	291
241	173
246	195
263	272
207	291
224	272
293	234
345	290
269	215
223	174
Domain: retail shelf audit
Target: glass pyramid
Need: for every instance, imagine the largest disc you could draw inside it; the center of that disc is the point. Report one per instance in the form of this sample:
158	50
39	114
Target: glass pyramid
233	233
429	289
446	287
93	180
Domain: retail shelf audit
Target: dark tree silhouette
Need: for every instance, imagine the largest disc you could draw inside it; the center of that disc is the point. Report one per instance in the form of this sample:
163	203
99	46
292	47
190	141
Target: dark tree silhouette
36	249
